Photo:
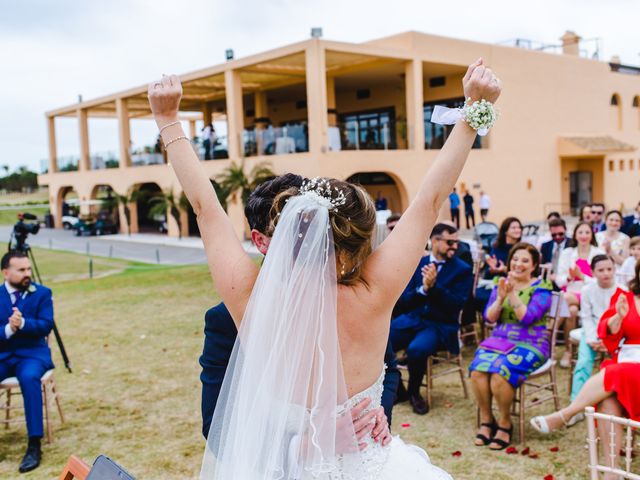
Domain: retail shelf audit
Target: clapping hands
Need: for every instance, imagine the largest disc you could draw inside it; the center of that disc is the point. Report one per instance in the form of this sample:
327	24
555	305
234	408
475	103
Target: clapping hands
495	265
575	273
505	287
15	320
429	275
622	309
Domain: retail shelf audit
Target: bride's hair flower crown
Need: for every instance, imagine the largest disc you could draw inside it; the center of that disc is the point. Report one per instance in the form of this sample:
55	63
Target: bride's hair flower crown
321	191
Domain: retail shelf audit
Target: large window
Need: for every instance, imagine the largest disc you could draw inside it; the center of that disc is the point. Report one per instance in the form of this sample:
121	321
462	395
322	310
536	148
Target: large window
369	130
435	135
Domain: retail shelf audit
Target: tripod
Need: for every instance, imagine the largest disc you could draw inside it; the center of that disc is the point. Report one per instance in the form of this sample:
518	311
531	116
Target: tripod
24	247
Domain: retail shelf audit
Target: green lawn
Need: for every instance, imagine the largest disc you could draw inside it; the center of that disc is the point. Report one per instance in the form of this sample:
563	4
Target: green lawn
9	217
134	338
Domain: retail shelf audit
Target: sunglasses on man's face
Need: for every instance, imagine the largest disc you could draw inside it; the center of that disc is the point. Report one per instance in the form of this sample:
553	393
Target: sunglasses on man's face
595	212
450	243
557	235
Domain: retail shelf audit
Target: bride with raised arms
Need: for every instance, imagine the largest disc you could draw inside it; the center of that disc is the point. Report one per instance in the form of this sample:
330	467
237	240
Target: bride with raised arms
314	320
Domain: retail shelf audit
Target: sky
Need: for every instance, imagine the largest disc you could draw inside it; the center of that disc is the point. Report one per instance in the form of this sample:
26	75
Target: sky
51	51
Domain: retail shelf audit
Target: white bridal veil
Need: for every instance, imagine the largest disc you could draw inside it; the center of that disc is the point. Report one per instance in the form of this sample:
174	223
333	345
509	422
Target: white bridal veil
279	413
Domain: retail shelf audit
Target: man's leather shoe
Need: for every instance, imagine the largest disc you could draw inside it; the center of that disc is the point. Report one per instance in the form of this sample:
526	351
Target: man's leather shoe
401	395
31	459
419	405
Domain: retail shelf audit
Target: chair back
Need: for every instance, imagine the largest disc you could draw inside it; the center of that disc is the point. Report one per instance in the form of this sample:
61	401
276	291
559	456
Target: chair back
558	310
624	469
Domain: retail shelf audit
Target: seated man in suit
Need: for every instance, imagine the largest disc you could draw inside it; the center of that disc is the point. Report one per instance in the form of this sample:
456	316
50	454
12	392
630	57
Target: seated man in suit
631	225
220	331
551	250
426	315
26	318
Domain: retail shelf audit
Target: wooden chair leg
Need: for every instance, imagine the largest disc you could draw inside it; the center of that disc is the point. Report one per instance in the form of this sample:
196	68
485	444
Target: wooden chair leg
57	399
521	419
429	381
8	410
462	379
572	366
45	394
554	388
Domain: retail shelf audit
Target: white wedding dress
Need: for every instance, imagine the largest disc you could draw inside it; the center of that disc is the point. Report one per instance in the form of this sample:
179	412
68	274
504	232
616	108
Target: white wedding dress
283	412
395	461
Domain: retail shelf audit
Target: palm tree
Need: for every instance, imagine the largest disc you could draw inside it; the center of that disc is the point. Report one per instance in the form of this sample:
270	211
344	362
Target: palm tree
125	201
233	181
167	201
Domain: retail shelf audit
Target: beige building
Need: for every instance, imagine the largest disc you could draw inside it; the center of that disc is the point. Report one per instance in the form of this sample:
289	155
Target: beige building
568	130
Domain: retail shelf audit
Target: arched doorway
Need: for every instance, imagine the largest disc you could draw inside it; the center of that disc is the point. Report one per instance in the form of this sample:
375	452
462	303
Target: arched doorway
68	207
148	222
104	207
381	184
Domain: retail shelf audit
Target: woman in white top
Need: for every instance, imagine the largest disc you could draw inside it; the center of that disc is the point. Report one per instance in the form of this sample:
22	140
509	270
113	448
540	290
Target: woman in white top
612	240
626	271
574	271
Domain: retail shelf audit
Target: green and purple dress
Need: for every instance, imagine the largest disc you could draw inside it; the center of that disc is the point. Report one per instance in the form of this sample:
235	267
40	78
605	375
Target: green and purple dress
529	336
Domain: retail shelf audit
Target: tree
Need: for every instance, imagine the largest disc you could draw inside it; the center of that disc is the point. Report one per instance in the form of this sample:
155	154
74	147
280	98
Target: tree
125	201
167	201
233	181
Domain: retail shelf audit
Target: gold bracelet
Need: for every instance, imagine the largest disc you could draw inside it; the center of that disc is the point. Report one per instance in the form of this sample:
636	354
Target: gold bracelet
181	137
169	125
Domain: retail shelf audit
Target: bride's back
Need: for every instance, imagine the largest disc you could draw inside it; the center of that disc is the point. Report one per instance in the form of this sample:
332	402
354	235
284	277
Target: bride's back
363	314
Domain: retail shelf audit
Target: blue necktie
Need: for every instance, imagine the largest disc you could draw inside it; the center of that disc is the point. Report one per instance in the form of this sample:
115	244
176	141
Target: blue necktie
17	295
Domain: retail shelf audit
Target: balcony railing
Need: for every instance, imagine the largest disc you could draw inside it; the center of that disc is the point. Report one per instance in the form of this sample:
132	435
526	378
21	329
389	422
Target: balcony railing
293	138
360	135
68	163
103	160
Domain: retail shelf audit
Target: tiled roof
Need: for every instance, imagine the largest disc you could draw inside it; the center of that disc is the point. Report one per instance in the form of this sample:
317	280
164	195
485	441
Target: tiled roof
601	144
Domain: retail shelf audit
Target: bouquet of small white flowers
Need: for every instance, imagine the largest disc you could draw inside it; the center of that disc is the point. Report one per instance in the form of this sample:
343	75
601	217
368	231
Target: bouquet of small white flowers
480	115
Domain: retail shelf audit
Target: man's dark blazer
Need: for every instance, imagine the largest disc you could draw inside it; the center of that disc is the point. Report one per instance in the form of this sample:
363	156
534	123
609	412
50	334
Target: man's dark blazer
630	226
219	337
29	342
546	250
442	302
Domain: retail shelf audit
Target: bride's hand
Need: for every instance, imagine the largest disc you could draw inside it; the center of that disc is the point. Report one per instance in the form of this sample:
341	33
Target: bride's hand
381	433
480	82
164	99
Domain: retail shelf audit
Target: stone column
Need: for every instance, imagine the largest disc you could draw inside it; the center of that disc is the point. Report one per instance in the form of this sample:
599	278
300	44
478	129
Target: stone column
53	153
84	164
331	102
235	115
316	79
415	108
124	133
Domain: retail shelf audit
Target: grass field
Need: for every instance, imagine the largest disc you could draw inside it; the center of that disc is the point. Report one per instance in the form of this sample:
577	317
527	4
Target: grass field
10	216
134	338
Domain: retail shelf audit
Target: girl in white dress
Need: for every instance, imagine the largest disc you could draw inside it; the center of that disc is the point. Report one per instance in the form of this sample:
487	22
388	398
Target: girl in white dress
612	240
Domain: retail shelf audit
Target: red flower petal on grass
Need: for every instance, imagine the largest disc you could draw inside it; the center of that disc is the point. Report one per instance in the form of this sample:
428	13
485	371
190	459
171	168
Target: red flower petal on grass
448	405
406	425
457	453
512	450
533	455
548	477
525	451
554	449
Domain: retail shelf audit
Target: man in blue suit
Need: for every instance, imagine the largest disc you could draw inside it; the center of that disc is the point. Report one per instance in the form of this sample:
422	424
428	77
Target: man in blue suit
426	315
551	250
631	225
26	318
220	331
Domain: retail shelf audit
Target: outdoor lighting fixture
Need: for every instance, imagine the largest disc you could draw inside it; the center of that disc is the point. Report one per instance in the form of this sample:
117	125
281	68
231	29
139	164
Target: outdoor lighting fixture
229	54
316	32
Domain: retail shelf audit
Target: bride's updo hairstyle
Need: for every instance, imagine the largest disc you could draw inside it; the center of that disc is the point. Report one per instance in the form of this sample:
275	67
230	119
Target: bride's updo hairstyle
352	222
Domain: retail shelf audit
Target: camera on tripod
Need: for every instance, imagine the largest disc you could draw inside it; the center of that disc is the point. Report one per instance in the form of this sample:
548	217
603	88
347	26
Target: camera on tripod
22	229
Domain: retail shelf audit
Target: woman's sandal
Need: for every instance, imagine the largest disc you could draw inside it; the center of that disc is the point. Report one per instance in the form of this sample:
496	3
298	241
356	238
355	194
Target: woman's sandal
541	425
502	443
483	438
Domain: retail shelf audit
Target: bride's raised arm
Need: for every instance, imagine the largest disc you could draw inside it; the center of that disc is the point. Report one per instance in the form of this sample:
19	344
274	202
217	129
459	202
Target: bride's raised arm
233	272
393	263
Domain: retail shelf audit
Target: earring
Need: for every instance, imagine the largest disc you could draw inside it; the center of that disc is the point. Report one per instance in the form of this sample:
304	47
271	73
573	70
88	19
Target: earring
342	272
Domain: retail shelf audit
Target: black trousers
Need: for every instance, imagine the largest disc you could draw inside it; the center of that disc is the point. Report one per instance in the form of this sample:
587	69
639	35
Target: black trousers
455	217
470	214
